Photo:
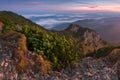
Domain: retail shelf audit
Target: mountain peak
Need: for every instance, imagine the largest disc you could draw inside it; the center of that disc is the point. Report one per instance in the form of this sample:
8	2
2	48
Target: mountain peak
77	28
73	27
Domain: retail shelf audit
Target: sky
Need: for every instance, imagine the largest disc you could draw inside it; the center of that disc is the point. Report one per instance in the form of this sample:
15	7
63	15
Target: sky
25	6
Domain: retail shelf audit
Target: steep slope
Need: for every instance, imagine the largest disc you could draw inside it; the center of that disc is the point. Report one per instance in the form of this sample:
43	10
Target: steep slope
12	20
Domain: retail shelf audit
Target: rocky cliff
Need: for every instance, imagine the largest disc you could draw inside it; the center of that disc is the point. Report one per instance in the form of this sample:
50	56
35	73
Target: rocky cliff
89	39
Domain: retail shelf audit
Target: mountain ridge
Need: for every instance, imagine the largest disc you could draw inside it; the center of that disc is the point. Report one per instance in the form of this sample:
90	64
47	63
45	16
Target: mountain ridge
9	18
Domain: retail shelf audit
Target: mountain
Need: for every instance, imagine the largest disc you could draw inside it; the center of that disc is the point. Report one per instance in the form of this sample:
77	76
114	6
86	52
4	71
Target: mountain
108	27
85	38
30	52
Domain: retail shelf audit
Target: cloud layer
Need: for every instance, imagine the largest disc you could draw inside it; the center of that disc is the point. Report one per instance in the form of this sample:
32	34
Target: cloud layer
51	20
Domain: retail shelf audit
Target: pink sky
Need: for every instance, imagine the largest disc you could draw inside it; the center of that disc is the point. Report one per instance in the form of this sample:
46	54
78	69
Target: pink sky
61	5
110	8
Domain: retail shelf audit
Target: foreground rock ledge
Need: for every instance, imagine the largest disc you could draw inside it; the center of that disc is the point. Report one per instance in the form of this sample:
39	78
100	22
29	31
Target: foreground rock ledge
17	63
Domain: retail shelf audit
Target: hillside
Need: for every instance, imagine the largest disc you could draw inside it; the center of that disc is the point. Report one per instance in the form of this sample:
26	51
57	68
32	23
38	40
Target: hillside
17	63
12	19
30	52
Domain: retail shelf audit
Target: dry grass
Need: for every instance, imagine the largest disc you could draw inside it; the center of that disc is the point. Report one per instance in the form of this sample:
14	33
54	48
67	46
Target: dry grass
44	65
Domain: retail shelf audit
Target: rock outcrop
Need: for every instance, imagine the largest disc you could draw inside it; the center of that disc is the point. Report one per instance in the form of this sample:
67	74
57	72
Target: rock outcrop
16	62
89	39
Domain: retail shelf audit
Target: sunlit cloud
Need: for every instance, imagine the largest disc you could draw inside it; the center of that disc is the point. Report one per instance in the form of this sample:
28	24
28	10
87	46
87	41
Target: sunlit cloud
112	8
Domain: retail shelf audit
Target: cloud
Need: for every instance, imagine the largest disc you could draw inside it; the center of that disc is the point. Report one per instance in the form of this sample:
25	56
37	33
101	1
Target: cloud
94	6
38	15
49	22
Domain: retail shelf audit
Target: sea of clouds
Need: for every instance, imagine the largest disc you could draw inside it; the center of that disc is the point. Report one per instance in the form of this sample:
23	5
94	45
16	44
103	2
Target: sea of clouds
49	21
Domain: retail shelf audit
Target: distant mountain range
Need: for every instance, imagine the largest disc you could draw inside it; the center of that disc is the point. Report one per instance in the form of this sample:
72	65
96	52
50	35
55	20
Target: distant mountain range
108	28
